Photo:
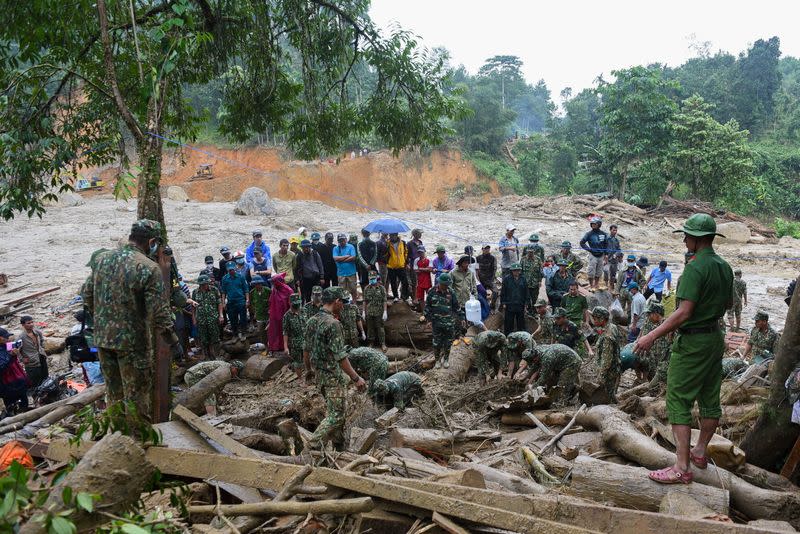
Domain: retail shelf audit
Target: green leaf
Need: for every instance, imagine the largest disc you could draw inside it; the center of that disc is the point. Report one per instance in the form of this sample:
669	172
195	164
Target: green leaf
7	504
66	495
86	501
60	525
130	528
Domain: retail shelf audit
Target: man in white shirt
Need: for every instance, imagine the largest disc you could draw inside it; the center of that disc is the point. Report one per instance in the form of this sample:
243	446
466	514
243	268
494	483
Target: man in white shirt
638	305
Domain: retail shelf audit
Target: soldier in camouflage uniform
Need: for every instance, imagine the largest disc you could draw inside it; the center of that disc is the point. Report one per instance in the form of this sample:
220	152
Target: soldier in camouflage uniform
763	339
371	363
532	263
313	306
208	316
375	311
649	361
441	308
732	366
294	329
607	349
400	388
565	332
553	365
201	370
538	250
352	325
326	353
490	351
516	344
126	300
739	296
259	302
545	332
574	263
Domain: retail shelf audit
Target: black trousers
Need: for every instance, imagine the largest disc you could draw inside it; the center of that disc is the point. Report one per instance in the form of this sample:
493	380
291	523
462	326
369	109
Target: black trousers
307	285
513	318
395	276
648	292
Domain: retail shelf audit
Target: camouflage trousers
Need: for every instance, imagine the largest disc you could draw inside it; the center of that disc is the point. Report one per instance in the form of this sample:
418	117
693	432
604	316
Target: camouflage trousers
375	371
193	378
375	330
533	294
332	427
207	333
567	380
129	376
611	383
735	311
296	355
443	334
488	360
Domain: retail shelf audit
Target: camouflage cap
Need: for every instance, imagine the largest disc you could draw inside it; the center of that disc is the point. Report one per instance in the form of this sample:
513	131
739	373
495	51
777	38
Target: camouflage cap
540	302
331	294
238	364
316	290
203	279
559	312
600	311
761	316
515	267
379	385
562	261
654	307
517	339
146	228
566	244
534	237
445	279
296	298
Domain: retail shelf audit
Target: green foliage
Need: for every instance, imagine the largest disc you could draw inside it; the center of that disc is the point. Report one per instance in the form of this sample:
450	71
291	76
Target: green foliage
117	417
784	227
500	170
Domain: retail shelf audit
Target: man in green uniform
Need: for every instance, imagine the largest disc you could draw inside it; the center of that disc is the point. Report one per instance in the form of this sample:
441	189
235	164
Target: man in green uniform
655	362
732	366
607	349
375	311
208	316
558	285
576	305
400	388
352	325
537	249
127	303
441	308
516	344
532	261
763	340
489	354
553	365
544	333
370	363
695	367
326	352
259	300
574	263
201	370
567	333
313	306
294	330
739	299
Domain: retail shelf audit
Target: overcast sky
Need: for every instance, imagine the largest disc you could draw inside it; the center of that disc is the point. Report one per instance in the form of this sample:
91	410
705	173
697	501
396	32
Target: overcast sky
570	43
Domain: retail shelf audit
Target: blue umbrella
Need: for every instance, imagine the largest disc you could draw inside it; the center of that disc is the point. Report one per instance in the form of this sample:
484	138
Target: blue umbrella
389	226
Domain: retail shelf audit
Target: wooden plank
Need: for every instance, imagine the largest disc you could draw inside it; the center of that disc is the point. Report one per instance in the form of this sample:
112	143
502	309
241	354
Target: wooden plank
264	473
215	434
448	524
29	296
792	461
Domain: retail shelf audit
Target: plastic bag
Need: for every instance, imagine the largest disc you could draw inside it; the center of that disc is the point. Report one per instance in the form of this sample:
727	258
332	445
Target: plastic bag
616	309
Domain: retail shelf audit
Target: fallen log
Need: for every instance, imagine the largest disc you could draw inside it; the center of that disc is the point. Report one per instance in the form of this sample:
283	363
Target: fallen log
531	398
70	406
19	300
629	487
362	439
563	449
461	357
194	397
86	396
442	442
756	503
333	507
213	433
463	477
508	481
403	328
721	450
413	468
447	524
545	416
394	354
682	504
388	418
259	440
260	368
115	468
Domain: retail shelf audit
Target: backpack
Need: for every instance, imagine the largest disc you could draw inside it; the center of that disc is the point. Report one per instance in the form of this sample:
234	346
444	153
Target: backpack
79	350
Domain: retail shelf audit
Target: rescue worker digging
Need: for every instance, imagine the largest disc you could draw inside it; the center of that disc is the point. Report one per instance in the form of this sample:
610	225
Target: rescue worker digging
441	308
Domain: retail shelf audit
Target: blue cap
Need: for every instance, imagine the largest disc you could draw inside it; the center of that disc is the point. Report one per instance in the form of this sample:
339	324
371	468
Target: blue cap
230	265
257	279
305	243
633	285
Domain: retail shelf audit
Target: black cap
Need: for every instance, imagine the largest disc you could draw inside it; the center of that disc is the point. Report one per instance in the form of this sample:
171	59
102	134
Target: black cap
4	332
209	259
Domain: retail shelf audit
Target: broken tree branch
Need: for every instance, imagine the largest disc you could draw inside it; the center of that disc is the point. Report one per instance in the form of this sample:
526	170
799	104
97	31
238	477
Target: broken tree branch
552	442
335	507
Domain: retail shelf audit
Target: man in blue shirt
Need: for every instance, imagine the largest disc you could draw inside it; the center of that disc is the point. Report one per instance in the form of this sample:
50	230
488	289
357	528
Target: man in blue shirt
656	281
258	243
236	300
344	254
595	242
509	250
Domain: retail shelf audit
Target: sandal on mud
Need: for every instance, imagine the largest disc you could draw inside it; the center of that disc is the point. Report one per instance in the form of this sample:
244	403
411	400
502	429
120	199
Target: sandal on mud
700	462
670	475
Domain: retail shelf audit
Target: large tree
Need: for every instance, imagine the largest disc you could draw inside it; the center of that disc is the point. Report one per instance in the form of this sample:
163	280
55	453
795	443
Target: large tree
80	79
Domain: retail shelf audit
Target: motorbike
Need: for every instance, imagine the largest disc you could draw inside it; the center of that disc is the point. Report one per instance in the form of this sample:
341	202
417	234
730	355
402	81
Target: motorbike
56	387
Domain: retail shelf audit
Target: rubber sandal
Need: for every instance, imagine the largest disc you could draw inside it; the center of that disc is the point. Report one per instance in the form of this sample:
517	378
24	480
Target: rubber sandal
670	475
700	462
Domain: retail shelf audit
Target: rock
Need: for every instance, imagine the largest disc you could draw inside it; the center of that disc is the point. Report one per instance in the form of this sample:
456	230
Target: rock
789	241
176	192
776	526
734	232
68	199
54	345
254	201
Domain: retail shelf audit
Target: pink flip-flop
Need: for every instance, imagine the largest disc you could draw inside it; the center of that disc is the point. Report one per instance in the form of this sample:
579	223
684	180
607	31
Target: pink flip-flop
701	462
670	475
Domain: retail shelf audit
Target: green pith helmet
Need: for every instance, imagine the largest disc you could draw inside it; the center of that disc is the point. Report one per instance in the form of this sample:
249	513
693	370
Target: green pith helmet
700	225
445	279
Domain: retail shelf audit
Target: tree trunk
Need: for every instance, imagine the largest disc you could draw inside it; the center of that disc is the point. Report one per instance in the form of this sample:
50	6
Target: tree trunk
194	398
629	487
506	480
114	468
769	441
260	368
150	151
624	183
682	504
442	442
54	412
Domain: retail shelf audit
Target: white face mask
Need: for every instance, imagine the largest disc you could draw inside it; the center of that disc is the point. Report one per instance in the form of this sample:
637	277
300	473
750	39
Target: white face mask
154	247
